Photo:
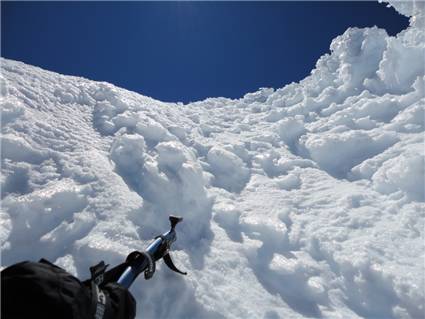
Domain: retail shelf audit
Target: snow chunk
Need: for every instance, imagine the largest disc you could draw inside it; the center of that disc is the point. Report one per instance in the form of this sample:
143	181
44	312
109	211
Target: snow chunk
39	213
127	152
19	149
229	170
414	9
290	129
405	172
172	155
152	131
11	109
337	153
400	66
104	112
411	119
289	182
259	96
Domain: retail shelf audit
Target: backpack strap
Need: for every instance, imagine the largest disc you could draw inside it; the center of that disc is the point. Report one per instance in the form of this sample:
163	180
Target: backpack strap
98	296
97	272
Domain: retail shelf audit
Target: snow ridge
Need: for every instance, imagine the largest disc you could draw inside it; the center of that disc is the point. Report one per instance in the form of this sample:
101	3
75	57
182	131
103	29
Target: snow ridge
306	201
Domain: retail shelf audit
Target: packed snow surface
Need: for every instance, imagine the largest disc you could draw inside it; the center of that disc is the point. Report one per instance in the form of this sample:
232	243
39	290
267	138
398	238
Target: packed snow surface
306	201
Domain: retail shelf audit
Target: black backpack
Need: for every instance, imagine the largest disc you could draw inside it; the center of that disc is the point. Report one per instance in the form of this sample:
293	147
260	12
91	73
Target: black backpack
44	290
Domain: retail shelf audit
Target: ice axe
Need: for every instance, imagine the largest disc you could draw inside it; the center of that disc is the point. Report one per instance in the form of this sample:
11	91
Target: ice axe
145	261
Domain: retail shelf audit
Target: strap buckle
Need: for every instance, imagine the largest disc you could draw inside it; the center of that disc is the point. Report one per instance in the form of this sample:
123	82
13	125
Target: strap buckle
97	272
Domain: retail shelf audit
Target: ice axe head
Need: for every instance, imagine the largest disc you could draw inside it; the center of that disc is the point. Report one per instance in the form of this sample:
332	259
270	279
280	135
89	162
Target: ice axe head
174	220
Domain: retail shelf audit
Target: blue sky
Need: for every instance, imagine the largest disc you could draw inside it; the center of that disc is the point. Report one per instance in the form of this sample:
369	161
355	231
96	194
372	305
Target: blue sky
184	51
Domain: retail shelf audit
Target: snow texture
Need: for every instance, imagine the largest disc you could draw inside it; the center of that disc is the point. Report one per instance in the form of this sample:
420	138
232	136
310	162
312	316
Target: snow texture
305	201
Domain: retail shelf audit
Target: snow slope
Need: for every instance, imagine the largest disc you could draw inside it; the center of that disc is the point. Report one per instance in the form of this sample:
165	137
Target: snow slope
307	201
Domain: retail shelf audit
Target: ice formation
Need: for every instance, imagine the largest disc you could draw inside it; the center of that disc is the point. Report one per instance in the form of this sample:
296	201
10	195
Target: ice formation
306	201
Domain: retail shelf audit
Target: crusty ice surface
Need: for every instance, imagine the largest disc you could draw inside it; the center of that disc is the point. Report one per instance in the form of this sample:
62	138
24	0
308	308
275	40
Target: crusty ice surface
306	201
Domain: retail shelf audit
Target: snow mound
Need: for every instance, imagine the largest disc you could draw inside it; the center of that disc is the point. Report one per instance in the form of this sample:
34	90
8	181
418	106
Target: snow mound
305	201
338	153
229	170
404	172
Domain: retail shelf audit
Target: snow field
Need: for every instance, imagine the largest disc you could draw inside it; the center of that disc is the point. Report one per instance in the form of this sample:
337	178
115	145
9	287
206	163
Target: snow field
305	201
